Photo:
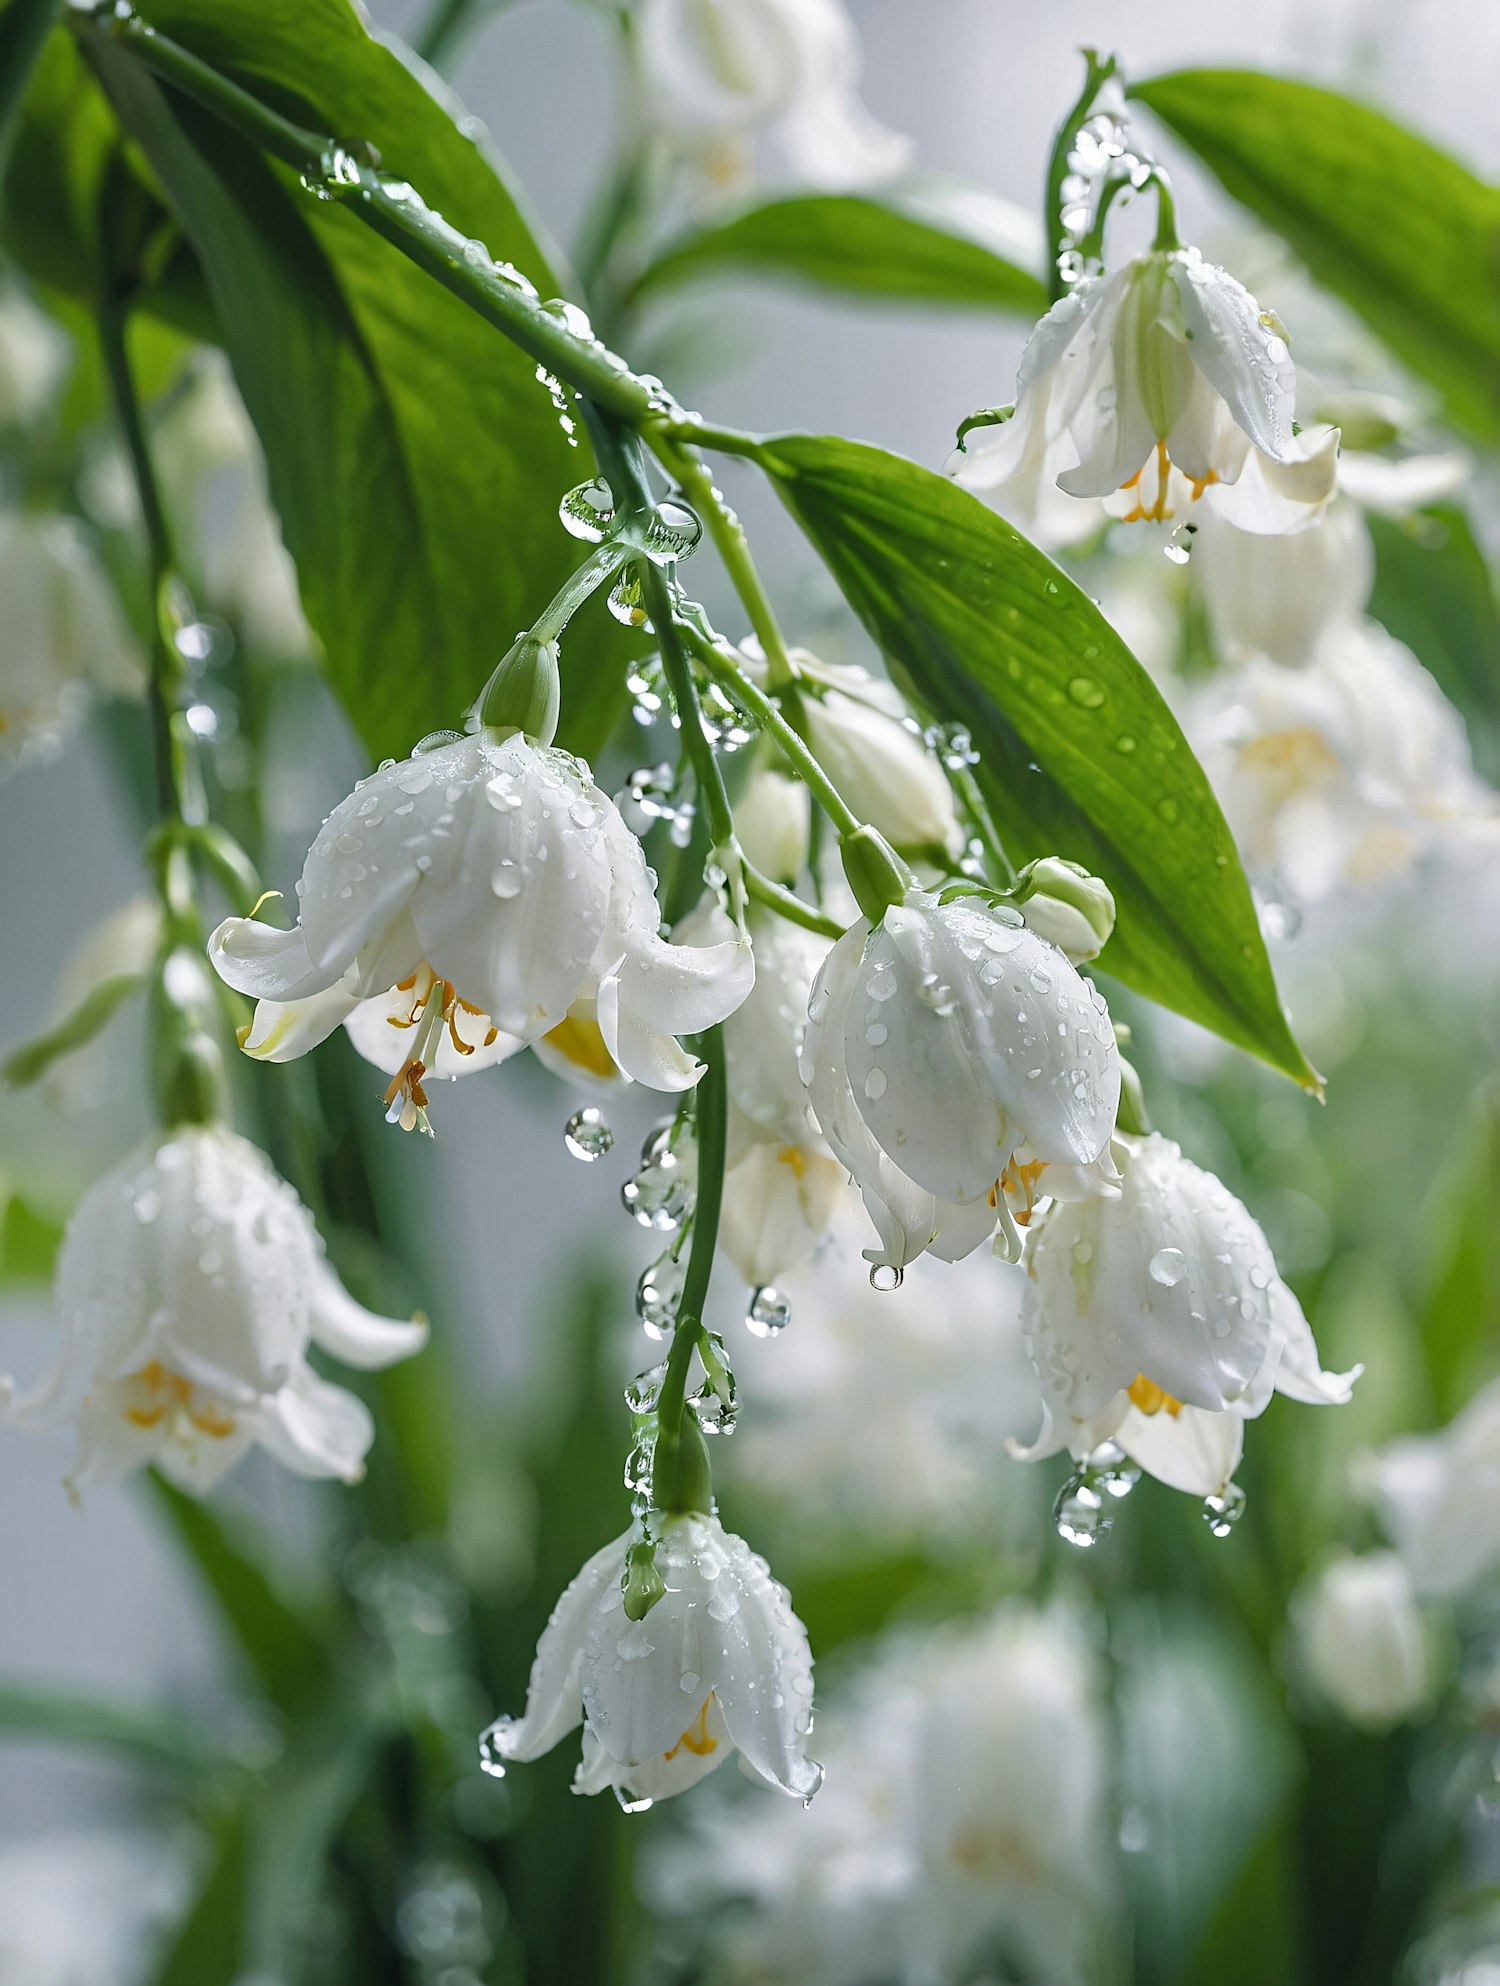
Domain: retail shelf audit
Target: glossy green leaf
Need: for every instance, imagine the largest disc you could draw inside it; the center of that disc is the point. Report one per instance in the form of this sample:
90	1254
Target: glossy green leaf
1402	231
1079	755
928	243
1434	590
414	458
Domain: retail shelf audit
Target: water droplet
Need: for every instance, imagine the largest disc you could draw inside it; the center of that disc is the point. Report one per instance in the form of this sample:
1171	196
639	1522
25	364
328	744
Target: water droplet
769	1313
661	1194
875	1085
147	1206
641	1394
506	880
671	532
491	1754
1110	1469
629	1806
586	1134
1086	693
1221	1513
625	602
658	1294
1167	1266
434	742
1169	811
1081	1514
1280	921
588	511
886	1276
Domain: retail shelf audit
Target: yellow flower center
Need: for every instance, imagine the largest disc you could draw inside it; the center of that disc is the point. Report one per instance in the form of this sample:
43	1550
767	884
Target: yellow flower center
1151	1398
434	1005
578	1039
696	1737
156	1391
1018	1183
1151	493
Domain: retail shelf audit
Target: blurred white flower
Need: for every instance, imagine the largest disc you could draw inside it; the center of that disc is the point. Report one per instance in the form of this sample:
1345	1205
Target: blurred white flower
211	461
493	886
772	823
1155	388
1344	773
1278	596
189	1284
34	354
885	1412
1439	1498
864	736
1157	1319
966	1811
1361	1641
716	74
719	1664
960	1069
62	636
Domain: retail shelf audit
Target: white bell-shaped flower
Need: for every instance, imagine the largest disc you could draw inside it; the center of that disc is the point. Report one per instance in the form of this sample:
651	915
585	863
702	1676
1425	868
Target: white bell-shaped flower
1278	596
1158	1320
716	74
491	886
782	1185
719	1664
1342	774
961	1069
190	1283
1439	1498
773	824
1156	387
62	638
1361	1642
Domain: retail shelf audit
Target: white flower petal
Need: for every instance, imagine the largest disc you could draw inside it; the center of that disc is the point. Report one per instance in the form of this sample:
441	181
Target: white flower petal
554	1699
314	1429
283	1030
1191	1450
1244	359
354	1335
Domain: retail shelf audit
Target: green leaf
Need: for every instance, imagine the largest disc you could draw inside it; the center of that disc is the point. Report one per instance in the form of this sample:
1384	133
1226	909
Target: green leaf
414	458
286	1648
29	1240
1434	591
31	1061
932	242
1460	1318
1402	231
34	1714
1079	755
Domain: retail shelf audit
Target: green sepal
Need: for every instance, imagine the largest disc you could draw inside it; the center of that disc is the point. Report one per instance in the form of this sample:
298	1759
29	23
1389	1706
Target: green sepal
31	1061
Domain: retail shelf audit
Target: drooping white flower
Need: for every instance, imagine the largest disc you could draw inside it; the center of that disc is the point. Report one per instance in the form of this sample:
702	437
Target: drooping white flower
717	74
1278	596
960	1069
190	1283
1155	388
719	1664
62	636
782	1185
1361	1642
1439	1498
865	738
1344	773
491	886
772	823
1158	1320
966	1812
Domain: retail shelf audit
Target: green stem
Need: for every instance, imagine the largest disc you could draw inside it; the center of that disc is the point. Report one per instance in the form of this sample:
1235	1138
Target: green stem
166	671
602	564
27	25
1166	238
683	1478
787	904
696	481
723	665
395	210
1097	74
977	808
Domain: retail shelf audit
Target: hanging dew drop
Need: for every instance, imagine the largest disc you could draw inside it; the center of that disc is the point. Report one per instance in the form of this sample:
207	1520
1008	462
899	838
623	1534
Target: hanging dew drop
886	1276
491	1754
625	602
769	1312
435	741
1080	1513
586	1134
1110	1469
629	1806
1222	1512
671	532
588	511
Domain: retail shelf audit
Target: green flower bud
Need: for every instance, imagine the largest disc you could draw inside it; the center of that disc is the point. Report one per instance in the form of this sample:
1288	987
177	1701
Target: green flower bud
1067	906
641	1584
876	873
525	692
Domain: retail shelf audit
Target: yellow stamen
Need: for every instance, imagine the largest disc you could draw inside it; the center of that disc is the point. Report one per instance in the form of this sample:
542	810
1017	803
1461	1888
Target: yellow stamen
1019	1182
696	1737
167	1392
577	1039
1151	1398
796	1158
